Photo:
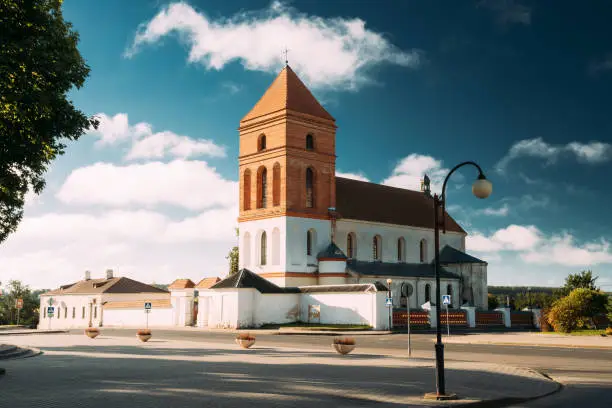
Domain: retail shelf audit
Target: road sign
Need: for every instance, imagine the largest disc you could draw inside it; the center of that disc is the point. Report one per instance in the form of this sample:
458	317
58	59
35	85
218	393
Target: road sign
50	311
147	305
389	302
19	303
446	299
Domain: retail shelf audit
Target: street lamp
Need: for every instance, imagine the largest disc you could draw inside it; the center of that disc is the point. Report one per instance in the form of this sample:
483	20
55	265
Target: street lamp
481	188
389	296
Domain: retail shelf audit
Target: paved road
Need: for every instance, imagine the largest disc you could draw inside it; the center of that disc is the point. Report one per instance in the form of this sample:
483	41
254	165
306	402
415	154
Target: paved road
585	373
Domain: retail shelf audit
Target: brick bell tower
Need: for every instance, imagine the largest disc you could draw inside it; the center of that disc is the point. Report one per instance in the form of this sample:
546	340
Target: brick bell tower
287	168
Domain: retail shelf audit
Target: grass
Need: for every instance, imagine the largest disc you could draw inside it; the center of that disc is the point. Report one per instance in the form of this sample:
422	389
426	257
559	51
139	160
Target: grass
317	326
584	332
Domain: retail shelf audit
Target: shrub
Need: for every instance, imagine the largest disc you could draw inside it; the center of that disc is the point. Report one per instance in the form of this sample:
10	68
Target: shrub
144	332
493	302
347	341
543	320
576	310
609	331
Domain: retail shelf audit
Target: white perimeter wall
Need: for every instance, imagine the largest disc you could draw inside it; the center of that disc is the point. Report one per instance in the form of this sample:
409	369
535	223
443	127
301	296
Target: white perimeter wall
137	317
275	308
341	308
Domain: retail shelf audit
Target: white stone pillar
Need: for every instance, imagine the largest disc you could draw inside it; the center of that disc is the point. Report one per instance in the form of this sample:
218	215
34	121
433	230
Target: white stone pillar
506	312
433	323
183	302
470	315
537	315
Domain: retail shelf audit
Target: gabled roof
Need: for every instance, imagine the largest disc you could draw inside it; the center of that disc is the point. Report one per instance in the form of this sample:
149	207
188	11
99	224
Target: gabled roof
246	279
287	92
112	285
206	283
331	252
450	255
359	287
406	270
360	200
182	284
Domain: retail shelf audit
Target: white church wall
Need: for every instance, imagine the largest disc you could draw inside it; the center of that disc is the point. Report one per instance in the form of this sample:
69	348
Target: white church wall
365	231
332	266
136	317
341	308
249	244
297	228
275	308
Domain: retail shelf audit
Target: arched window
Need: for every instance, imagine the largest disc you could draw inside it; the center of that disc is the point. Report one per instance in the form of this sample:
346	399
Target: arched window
276	184
376	248
309	142
246	190
401	250
310	198
263	249
261	143
262	184
350	246
423	250
427	293
309	243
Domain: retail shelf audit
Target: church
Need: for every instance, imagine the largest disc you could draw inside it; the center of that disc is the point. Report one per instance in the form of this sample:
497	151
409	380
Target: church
302	228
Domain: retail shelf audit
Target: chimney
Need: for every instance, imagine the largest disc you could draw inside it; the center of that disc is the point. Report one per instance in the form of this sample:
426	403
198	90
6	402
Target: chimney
109	274
87	275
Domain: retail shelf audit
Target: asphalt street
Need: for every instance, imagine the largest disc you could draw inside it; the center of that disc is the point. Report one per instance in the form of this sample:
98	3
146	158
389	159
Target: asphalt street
585	373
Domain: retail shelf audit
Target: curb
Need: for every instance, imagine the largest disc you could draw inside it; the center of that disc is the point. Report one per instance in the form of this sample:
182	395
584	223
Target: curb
327	333
23	333
568	346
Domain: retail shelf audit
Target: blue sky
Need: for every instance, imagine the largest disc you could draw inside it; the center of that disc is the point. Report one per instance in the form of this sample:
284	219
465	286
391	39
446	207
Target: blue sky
523	88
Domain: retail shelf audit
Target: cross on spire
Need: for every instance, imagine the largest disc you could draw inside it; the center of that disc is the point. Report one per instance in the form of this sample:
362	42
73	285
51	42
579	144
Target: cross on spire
285	52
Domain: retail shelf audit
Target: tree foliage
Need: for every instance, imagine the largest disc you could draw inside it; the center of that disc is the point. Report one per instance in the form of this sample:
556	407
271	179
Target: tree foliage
39	64
493	302
583	279
8	313
577	309
233	257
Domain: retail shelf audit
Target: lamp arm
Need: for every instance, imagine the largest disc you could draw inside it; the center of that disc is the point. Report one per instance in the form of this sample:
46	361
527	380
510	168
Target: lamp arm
443	195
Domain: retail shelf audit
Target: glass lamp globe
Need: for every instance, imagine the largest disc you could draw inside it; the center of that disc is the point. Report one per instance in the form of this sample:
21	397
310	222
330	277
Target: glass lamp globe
482	187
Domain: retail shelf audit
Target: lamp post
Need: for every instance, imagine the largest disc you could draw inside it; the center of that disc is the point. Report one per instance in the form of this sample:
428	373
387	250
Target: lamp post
482	189
390	307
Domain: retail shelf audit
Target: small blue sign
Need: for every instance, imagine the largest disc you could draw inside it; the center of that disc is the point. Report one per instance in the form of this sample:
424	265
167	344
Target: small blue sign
389	301
50	310
446	299
147	305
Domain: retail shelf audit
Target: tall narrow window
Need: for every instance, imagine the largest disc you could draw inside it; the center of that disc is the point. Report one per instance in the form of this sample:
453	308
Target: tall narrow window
309	243
246	190
423	250
350	246
66	312
262	184
73	312
401	250
376	248
427	293
309	142
95	312
263	249
44	313
310	199
261	143
276	183
83	313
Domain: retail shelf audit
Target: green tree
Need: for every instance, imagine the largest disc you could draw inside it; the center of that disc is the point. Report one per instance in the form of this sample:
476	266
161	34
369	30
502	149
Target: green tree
39	65
609	307
233	257
28	315
577	309
492	301
583	279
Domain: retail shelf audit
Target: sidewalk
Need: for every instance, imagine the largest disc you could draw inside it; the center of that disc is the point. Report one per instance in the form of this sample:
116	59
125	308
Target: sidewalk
533	339
264	375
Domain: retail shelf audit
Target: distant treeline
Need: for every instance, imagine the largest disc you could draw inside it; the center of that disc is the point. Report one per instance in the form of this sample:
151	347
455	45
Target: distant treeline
515	290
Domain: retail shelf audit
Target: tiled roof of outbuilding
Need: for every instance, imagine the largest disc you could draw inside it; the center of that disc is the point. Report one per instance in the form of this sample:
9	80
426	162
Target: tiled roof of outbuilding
407	270
182	284
246	279
112	285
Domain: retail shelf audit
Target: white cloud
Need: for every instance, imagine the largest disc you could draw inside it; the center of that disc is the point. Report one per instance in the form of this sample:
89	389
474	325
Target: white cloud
188	184
592	152
326	52
410	171
355	176
534	247
496	212
231	87
145	144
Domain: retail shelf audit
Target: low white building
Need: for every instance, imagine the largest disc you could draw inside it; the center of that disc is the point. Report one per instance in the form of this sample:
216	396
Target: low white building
110	301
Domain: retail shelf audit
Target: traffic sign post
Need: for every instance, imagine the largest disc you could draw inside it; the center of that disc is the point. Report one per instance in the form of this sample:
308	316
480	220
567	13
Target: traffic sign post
147	307
50	313
446	300
18	306
389	302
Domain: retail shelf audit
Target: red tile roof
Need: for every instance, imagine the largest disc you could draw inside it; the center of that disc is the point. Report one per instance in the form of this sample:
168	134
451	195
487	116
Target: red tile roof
112	285
359	200
182	284
206	283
